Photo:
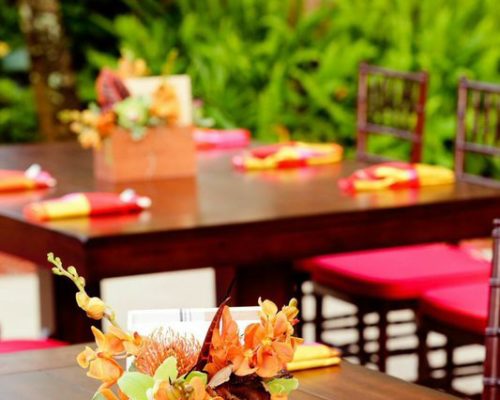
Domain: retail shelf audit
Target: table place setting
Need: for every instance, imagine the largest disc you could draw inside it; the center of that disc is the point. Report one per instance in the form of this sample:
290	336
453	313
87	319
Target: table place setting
288	155
33	178
89	204
396	175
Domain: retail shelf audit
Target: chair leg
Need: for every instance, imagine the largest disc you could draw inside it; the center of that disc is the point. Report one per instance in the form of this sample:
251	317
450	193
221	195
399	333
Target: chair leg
449	366
299	279
382	341
360	327
423	362
318	318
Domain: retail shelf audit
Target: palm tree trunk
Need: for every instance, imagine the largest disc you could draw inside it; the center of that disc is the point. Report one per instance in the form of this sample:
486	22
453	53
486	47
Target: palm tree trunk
51	74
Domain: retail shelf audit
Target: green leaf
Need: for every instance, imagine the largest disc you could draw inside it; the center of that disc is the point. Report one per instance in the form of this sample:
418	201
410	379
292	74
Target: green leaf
167	371
198	374
135	385
282	386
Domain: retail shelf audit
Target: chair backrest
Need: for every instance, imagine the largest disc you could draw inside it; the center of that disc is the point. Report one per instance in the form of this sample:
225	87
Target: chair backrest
492	363
390	103
478	126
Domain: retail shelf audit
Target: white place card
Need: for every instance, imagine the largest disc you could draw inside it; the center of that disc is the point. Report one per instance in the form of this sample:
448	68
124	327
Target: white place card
193	321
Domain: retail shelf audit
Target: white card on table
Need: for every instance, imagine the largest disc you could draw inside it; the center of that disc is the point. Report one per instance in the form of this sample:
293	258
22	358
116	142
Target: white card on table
193	321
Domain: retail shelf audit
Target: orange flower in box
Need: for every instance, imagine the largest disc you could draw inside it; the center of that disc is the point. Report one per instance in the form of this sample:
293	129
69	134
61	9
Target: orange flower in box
141	128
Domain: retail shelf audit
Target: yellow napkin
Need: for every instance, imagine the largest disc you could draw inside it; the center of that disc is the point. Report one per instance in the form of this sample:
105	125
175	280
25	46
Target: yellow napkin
313	356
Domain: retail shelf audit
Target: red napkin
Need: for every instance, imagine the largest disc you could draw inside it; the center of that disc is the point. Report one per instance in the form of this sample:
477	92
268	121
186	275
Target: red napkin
32	178
207	139
87	205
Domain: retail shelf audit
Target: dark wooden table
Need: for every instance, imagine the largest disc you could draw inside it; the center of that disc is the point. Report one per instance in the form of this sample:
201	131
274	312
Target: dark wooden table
249	224
54	375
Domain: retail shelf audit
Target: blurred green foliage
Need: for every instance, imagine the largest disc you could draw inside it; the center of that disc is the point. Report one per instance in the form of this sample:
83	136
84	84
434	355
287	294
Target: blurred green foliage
17	111
267	63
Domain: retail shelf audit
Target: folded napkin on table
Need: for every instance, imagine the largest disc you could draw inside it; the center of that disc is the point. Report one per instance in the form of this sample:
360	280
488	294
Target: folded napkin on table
313	356
289	155
32	178
207	139
87	204
397	175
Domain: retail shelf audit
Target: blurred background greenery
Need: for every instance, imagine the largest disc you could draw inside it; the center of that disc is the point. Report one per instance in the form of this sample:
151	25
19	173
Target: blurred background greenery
265	64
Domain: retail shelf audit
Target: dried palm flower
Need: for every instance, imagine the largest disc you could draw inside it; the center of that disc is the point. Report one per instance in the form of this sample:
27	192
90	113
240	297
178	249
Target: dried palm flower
163	343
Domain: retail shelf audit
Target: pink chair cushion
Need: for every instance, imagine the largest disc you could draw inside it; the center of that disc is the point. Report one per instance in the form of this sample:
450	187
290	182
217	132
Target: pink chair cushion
401	273
464	306
12	346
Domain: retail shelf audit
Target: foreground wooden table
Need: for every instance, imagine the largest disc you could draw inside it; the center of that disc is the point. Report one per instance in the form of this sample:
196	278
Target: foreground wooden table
53	374
249	224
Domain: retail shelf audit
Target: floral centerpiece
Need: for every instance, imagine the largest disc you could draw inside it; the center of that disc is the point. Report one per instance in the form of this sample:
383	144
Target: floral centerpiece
140	127
169	366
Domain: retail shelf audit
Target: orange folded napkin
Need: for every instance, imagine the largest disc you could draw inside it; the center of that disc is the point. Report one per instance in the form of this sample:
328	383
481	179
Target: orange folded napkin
208	139
87	205
313	356
32	178
288	155
396	175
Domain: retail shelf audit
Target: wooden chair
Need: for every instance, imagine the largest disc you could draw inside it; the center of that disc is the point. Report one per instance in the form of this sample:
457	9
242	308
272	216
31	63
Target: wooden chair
491	380
386	280
460	312
390	103
478	130
466	314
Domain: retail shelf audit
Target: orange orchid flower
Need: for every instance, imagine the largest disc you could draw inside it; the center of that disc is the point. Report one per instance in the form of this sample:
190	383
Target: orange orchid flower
100	366
106	370
116	342
200	391
197	390
166	391
269	345
131	342
100	363
93	306
85	357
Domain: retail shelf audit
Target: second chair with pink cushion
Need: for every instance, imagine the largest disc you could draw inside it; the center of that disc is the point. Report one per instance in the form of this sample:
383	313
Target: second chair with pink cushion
460	311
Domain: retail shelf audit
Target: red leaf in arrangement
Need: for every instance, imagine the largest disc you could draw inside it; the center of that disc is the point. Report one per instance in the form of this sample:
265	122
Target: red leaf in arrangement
110	89
205	348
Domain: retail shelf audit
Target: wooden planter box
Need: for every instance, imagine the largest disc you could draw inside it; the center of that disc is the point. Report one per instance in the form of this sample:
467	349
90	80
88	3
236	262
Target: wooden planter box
164	152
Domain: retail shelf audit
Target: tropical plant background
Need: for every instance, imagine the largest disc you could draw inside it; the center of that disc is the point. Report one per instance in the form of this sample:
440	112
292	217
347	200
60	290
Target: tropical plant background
268	64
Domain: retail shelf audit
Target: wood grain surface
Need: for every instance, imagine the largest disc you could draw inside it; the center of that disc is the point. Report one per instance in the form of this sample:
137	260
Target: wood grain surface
53	374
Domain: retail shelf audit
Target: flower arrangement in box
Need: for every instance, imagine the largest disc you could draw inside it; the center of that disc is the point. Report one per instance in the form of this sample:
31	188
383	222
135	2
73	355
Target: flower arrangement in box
169	366
140	127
